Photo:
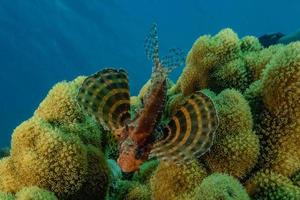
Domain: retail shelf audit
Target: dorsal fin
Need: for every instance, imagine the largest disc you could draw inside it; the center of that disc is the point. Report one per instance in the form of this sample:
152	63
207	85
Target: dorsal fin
173	59
151	44
161	67
190	132
106	95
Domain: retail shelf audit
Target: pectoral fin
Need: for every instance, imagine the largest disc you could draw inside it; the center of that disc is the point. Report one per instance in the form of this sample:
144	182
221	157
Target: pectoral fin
190	132
106	95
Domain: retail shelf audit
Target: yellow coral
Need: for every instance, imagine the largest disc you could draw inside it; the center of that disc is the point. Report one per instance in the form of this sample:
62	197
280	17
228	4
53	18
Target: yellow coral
206	53
253	95
9	179
278	120
140	192
135	104
281	82
144	89
60	105
171	181
269	185
234	113
280	142
60	108
234	154
230	75
236	147
135	101
250	43
47	157
256	61
97	179
35	193
57	149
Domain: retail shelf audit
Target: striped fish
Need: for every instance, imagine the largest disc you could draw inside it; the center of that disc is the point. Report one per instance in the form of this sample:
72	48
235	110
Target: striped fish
106	95
190	131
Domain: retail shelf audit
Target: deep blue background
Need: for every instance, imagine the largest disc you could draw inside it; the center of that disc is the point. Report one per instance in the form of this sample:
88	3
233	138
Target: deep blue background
46	41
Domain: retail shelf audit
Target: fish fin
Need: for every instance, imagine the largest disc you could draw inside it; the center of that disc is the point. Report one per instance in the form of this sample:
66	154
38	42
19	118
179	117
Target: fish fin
105	95
173	59
151	44
190	132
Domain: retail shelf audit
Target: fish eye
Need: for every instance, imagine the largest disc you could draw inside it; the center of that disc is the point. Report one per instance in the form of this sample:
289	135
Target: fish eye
138	153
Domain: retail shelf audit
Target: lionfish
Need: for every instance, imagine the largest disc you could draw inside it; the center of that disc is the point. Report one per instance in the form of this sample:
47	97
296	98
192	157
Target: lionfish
189	132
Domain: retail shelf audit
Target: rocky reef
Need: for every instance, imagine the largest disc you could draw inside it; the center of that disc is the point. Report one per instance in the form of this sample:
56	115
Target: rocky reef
61	152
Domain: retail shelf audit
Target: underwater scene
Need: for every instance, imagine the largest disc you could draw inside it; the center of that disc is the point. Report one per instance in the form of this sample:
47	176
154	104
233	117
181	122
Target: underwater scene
149	100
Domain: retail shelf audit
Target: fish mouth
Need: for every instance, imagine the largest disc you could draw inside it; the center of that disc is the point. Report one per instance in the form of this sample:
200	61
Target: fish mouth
128	162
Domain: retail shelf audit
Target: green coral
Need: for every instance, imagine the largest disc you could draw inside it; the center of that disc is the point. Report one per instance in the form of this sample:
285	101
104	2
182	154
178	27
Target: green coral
145	172
35	193
296	178
6	196
220	186
272	186
120	188
250	43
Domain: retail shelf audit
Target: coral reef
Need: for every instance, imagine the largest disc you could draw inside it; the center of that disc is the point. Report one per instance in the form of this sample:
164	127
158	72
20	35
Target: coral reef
140	192
270	185
296	178
236	147
6	196
58	149
145	172
220	186
257	94
173	181
35	193
62	152
207	53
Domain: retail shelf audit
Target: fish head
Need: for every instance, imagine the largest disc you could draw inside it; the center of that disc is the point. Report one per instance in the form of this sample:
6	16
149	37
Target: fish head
133	151
128	160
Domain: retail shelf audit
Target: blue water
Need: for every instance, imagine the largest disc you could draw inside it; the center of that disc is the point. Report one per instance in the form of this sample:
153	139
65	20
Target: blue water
46	41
